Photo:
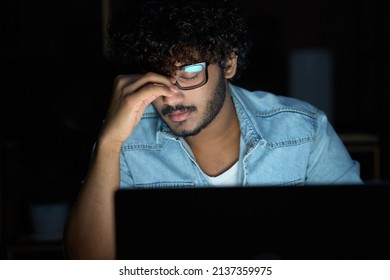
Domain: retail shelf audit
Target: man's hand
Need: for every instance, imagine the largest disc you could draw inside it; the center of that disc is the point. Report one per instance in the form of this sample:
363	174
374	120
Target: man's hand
131	95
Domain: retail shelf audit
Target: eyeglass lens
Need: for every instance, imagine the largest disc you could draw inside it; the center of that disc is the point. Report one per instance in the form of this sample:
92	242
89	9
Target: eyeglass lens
191	76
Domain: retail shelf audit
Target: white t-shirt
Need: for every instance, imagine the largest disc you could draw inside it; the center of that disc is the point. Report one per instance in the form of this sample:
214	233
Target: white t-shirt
227	179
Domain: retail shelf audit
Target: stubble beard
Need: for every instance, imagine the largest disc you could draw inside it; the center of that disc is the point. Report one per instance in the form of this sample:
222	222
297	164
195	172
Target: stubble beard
213	107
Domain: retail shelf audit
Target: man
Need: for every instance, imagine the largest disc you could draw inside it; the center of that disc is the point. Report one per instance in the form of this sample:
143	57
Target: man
180	122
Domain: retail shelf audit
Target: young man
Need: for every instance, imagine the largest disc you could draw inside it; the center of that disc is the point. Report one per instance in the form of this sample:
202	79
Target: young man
180	122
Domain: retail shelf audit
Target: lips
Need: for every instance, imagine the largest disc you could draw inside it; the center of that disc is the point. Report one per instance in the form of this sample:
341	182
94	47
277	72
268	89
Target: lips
179	116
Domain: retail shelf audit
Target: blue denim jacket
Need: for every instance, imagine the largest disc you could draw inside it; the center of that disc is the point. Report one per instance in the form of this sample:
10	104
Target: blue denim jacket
284	141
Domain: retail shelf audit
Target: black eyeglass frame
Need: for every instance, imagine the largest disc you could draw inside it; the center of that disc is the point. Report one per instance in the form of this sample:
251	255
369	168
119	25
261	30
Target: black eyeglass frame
196	86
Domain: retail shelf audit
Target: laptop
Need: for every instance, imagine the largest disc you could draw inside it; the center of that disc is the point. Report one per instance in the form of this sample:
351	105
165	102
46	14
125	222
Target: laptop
293	223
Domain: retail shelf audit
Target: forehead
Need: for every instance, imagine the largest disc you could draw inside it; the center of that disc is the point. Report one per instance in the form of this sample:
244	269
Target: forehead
189	61
185	54
178	60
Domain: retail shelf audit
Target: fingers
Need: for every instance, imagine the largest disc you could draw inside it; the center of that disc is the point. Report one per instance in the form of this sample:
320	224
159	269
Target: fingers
147	84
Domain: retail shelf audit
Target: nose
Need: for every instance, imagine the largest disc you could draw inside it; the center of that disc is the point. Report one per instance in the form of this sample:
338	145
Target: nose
176	98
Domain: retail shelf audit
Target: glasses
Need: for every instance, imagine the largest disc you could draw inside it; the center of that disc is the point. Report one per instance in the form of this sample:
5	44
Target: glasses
191	76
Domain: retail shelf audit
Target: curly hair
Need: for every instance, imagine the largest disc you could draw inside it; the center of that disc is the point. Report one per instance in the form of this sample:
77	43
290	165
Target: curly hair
168	31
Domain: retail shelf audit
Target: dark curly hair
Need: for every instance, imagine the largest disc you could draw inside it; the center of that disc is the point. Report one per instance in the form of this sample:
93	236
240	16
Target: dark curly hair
166	31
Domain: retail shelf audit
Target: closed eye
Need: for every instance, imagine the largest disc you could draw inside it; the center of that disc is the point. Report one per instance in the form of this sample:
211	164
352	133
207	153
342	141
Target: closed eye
189	77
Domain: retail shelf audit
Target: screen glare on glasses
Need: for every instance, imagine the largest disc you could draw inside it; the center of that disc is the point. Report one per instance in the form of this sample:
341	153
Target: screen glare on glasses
191	76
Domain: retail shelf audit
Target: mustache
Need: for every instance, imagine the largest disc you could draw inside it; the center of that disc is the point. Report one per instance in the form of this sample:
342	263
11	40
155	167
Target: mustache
170	109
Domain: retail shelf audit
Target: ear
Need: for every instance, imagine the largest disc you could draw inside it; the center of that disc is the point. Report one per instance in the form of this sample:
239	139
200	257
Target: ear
231	66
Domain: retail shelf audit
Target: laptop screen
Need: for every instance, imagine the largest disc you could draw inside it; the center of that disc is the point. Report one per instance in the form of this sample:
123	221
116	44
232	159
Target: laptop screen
310	222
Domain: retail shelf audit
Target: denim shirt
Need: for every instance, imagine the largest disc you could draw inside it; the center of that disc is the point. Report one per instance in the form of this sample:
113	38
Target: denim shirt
284	142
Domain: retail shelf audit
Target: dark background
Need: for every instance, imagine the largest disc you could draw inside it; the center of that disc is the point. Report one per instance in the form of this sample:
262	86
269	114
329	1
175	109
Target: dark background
56	84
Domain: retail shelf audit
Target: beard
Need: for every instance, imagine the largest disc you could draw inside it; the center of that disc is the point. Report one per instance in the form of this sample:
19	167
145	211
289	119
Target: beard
213	107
